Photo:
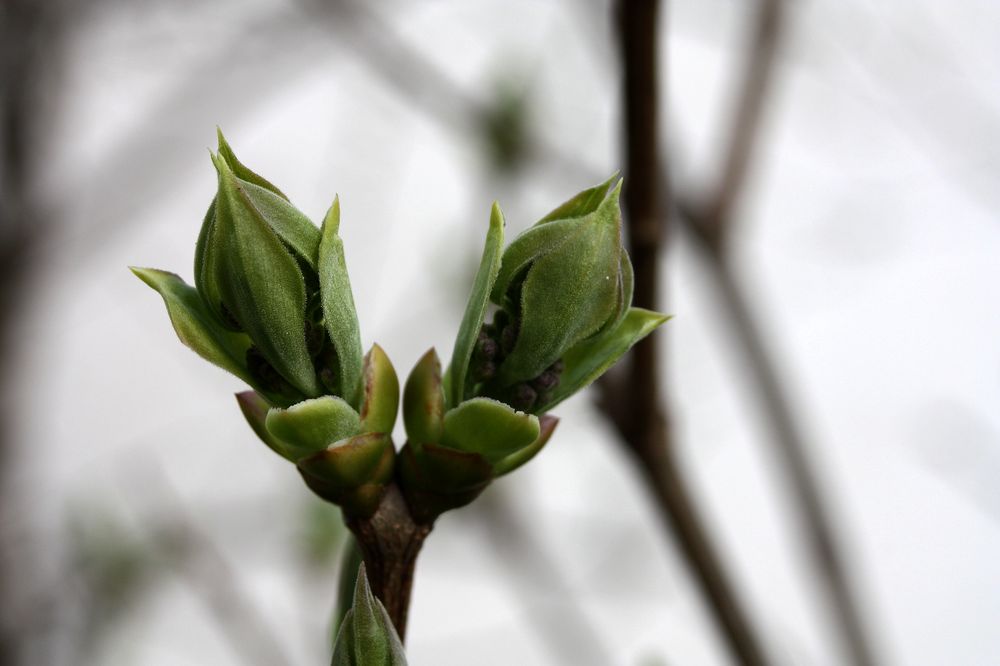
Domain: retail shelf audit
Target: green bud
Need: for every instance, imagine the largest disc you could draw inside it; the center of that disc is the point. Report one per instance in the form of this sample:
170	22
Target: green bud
367	636
259	283
564	289
276	306
424	401
561	282
380	400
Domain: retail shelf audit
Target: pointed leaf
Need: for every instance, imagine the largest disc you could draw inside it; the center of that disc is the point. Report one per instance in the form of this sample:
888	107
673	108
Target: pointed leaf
584	203
261	283
241	171
424	400
338	307
255	408
488	427
350	561
196	326
312	425
475	310
380	400
591	358
367	636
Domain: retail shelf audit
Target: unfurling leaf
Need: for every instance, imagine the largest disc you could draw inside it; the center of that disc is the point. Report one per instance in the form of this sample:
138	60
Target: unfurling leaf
367	636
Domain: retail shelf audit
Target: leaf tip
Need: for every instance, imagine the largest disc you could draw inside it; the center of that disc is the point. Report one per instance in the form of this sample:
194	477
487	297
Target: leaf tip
496	216
332	217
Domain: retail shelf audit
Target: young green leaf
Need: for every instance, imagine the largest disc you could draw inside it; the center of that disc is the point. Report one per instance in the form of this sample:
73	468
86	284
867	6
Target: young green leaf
475	310
588	360
338	307
196	326
241	171
295	230
424	401
584	203
367	637
525	249
380	400
488	427
255	408
261	282
312	425
547	425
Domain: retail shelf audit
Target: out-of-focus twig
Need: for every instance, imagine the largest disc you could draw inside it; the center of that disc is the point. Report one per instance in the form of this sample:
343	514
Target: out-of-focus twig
30	47
711	223
754	87
562	626
199	562
636	407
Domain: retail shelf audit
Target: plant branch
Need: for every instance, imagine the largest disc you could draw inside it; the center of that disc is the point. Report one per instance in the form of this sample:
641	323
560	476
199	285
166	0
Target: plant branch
640	417
754	87
805	484
711	226
197	559
562	626
390	542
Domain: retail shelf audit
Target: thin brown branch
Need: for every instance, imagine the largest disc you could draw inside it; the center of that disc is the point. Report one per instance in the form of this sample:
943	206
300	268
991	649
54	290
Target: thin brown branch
390	542
561	625
711	224
755	86
804	483
640	417
200	562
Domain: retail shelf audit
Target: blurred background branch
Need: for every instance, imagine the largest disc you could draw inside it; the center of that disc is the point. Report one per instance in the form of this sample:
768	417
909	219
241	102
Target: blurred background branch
711	225
633	398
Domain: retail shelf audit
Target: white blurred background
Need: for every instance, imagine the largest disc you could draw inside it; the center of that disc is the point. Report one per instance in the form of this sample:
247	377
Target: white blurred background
144	524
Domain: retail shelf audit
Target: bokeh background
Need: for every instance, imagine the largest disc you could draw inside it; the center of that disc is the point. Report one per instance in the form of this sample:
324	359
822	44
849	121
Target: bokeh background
142	523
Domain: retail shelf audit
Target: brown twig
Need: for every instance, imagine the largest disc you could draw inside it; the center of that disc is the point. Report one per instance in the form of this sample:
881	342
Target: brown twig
390	542
804	482
30	49
562	626
640	418
198	560
711	224
755	85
